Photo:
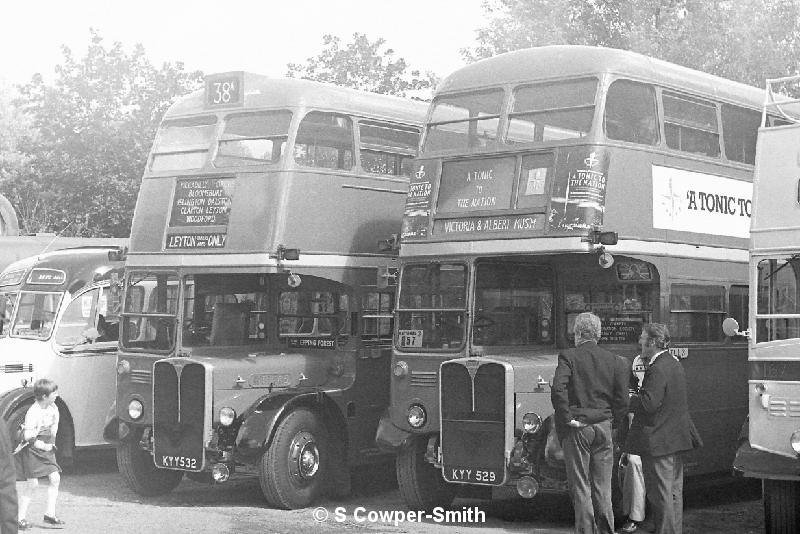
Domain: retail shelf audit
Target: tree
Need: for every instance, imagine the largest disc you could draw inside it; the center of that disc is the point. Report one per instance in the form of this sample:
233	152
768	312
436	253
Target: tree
94	127
364	65
743	40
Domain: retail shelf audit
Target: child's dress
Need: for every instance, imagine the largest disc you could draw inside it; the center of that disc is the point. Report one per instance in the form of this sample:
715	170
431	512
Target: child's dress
32	462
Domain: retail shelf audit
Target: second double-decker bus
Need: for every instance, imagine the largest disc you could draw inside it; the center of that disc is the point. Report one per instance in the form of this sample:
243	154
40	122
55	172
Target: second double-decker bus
553	181
772	452
257	318
59	319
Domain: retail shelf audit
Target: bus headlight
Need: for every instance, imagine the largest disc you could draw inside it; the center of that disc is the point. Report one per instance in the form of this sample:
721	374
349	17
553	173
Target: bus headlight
795	441
135	409
416	416
400	369
226	416
123	367
531	422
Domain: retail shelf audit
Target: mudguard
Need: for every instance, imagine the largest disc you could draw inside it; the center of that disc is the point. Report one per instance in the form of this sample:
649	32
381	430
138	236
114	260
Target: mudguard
760	464
258	423
389	438
10	400
111	427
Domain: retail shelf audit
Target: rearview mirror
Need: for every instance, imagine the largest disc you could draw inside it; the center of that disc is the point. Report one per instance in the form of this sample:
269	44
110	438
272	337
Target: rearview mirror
730	327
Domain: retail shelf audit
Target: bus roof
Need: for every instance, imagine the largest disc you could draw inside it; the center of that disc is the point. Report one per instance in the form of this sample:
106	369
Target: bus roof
567	61
80	265
280	93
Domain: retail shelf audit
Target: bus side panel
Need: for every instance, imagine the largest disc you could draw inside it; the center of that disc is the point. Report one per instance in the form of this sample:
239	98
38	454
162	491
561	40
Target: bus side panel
717	381
774	415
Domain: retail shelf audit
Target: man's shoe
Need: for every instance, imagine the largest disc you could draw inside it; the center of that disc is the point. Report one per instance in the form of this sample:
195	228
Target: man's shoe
53	520
629	527
23	524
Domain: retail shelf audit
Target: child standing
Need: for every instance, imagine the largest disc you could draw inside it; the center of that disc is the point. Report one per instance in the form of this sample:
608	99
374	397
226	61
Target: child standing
38	458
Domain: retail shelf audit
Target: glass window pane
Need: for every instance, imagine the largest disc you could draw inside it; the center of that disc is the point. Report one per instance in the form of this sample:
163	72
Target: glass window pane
739	130
195	133
325	140
696	312
739	309
78	318
552	111
433	286
690	125
533	190
253	138
464	121
513	305
36	314
630	113
388	135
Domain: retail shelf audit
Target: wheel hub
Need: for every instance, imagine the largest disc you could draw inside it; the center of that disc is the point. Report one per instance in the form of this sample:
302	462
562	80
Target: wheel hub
304	456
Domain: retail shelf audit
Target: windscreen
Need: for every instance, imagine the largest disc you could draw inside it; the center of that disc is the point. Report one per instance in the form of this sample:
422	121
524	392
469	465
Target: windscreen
432	306
7	301
237	310
150	311
36	314
183	144
778	315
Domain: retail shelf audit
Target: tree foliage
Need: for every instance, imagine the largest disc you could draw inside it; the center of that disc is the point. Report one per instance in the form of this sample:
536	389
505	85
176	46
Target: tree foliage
743	40
93	129
364	65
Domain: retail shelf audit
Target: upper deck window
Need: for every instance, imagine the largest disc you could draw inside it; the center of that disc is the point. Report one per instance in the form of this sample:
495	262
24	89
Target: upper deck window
739	130
325	140
630	113
183	144
387	148
552	111
690	124
465	121
253	138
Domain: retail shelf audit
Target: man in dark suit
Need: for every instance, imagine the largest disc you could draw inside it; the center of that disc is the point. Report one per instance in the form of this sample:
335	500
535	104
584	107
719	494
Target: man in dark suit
590	391
661	429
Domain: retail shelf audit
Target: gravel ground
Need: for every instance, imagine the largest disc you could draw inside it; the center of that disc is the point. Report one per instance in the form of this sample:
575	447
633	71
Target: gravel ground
94	499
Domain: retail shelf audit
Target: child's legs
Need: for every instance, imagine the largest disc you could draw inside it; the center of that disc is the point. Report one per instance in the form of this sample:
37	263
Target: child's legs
52	493
25	491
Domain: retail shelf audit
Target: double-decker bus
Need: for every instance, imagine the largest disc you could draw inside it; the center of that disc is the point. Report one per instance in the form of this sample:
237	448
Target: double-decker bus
773	450
59	319
257	318
553	181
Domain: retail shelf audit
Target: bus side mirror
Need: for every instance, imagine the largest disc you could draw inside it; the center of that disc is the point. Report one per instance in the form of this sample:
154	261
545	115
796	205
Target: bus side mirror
387	277
730	327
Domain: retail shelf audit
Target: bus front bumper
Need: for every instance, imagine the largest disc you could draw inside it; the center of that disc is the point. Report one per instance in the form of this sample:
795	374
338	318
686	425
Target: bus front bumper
751	462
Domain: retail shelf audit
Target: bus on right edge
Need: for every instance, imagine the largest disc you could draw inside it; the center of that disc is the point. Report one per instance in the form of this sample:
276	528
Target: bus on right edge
773	451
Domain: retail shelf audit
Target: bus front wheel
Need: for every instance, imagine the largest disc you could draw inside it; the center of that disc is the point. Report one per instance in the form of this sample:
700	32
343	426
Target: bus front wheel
293	469
781	510
420	483
140	473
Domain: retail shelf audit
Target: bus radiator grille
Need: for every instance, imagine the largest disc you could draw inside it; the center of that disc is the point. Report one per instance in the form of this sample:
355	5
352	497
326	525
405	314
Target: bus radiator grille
423	378
17	368
473	417
784	407
178	412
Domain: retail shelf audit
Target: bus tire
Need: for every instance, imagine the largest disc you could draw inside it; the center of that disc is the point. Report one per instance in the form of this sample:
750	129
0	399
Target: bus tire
781	506
421	484
293	470
140	473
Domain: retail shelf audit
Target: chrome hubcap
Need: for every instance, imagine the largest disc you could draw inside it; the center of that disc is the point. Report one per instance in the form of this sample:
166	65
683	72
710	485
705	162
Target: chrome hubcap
304	456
